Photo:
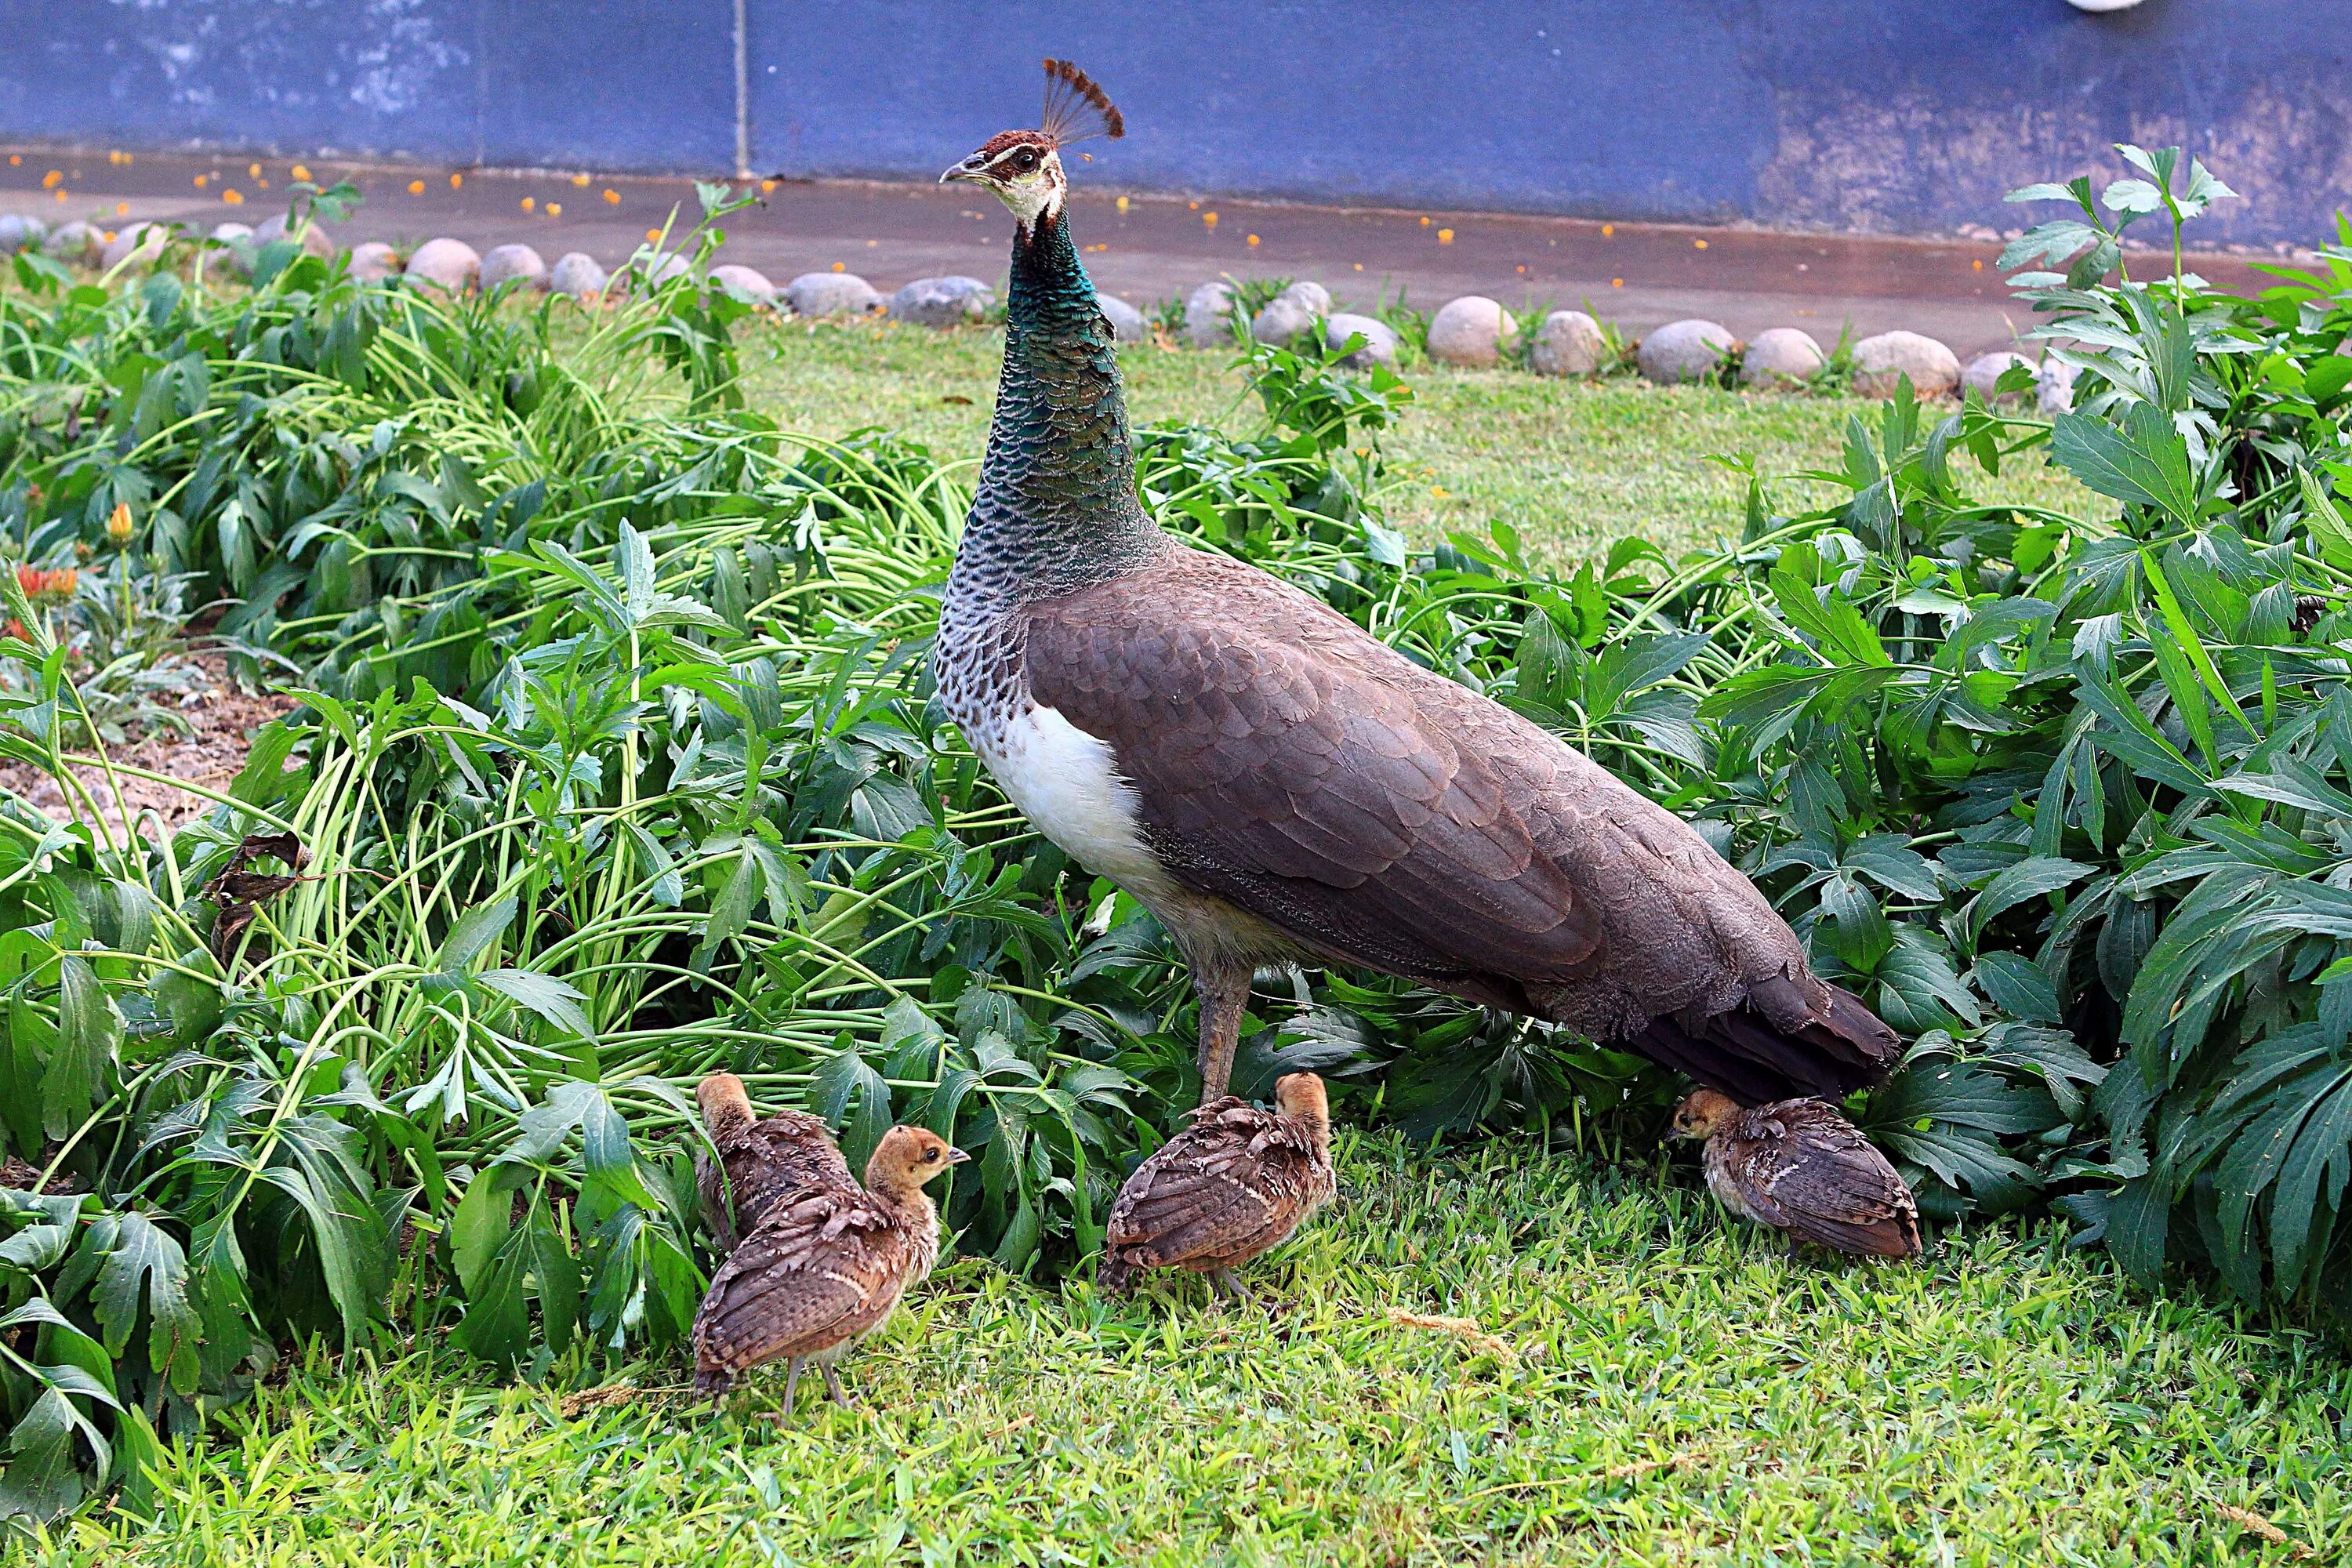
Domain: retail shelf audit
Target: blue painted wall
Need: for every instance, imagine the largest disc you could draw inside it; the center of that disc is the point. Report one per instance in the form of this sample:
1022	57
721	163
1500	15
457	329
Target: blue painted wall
1891	115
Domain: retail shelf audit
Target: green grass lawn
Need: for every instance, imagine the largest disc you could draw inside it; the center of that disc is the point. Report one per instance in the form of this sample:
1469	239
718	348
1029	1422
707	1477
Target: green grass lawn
1661	1386
1571	464
1670	1388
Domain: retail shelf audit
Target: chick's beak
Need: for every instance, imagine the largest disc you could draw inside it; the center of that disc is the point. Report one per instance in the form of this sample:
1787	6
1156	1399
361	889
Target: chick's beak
968	170
957	1156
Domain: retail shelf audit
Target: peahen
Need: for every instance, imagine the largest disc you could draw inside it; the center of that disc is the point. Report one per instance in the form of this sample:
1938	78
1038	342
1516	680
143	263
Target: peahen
1276	784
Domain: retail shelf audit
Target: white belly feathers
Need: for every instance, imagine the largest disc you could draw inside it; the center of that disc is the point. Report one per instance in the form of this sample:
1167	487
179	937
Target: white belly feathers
1067	783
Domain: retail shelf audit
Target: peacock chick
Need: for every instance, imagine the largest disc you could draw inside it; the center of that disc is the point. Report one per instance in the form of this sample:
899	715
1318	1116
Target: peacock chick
823	1268
758	1159
1800	1168
1233	1184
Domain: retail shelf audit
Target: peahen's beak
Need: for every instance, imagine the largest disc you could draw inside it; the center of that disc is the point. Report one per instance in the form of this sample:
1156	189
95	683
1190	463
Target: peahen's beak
970	169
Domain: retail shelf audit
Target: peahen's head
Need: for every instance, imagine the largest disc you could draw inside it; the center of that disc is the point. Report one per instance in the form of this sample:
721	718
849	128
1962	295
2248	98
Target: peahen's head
1023	168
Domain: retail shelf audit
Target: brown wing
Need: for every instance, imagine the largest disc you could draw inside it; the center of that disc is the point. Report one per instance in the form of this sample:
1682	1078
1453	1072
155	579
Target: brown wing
767	1160
1801	1166
1232	1185
819	1269
1388	817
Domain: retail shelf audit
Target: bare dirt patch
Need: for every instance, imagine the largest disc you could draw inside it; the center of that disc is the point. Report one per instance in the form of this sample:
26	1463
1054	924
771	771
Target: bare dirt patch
224	719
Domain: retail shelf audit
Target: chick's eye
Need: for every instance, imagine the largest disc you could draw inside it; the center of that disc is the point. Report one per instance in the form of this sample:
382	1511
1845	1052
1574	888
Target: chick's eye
930	1155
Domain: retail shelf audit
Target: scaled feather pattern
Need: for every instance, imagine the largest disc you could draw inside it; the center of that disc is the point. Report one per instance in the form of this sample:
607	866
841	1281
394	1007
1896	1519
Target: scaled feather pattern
1233	1184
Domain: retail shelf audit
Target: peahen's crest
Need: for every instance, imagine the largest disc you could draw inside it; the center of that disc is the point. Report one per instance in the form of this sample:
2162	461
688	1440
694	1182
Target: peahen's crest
1077	108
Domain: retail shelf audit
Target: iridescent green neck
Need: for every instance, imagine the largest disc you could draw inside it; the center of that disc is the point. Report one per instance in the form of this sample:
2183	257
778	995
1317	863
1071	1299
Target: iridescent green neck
1055	509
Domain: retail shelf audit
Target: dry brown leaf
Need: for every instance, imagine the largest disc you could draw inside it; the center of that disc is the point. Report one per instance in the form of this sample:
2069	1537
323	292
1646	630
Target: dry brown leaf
2255	1524
1462	1329
1643	1467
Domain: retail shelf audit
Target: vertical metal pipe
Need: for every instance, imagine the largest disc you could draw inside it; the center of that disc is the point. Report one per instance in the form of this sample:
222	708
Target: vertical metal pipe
742	89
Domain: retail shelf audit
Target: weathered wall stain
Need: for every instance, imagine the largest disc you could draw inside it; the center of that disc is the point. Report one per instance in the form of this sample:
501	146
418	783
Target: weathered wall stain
1884	115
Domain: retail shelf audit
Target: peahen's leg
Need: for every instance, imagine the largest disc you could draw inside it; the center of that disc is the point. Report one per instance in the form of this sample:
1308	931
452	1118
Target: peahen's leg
791	1385
832	1385
1222	985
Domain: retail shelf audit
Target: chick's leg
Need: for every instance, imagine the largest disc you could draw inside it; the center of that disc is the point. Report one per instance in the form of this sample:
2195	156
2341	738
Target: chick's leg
1223	985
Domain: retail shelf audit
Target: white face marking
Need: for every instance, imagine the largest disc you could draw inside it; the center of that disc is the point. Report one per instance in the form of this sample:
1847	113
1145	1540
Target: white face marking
1033	195
1067	783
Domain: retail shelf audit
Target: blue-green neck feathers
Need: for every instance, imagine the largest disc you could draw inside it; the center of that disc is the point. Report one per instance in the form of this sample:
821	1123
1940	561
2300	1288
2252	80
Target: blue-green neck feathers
1055	509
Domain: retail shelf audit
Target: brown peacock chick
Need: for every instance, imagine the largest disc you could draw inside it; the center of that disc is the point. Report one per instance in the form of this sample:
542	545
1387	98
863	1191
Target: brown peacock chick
760	1160
823	1268
1799	1166
1232	1185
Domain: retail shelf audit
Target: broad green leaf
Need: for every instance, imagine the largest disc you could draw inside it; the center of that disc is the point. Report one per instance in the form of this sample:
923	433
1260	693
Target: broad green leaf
87	1029
557	1000
2143	462
144	1263
472	933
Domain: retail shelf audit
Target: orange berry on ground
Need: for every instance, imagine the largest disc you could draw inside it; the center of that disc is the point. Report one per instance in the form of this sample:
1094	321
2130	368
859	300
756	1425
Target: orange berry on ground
1607	229
1699	243
233	198
555	209
302	172
50	181
528	204
578	179
252	171
202	180
1444	236
838	267
613	198
1616	282
652	236
455	181
122	209
1253	239
415	187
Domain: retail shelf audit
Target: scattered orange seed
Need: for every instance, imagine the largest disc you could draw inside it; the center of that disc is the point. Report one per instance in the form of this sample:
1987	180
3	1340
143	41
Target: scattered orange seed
840	267
1194	205
202	180
1444	236
233	198
455	181
252	171
1976	265
652	236
528	204
1607	229
613	198
1253	239
1122	204
767	185
1522	269
1699	243
263	184
415	187
578	179
55	177
1616	282
16	160
1209	219
1359	267
302	172
122	209
555	209
61	192
106	237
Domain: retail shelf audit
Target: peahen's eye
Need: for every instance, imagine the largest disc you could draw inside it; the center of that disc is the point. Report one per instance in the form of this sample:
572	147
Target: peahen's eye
1025	161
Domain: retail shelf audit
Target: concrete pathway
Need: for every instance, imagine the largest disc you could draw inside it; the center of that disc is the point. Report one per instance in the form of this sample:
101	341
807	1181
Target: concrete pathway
1146	248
